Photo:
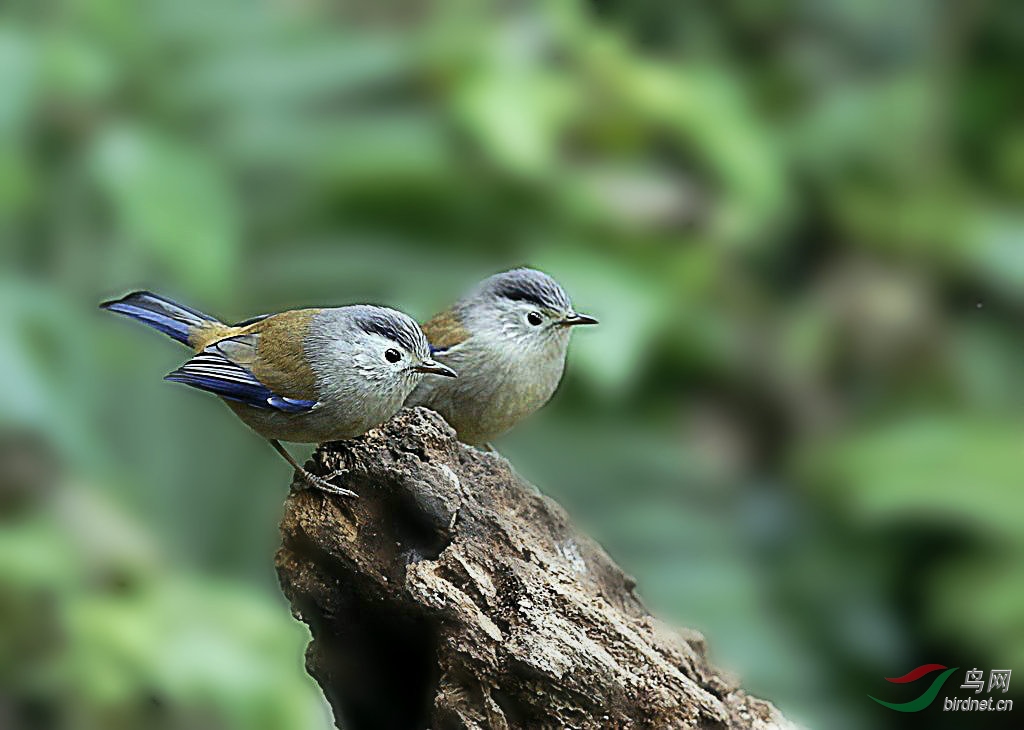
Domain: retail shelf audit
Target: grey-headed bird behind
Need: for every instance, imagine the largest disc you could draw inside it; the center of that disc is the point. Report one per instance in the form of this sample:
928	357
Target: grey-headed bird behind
508	340
305	375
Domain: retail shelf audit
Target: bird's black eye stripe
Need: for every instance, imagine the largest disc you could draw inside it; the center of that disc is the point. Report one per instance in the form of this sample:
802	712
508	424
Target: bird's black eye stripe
534	318
392	355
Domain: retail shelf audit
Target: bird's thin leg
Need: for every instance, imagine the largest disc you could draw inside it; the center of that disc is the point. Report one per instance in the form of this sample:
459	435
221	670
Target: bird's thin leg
307	476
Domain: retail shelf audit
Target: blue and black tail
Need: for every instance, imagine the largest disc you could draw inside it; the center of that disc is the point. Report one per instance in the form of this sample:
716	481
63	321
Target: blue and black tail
173	319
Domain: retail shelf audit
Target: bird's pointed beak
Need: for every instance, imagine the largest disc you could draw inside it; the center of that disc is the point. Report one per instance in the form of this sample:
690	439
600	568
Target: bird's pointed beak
573	319
435	368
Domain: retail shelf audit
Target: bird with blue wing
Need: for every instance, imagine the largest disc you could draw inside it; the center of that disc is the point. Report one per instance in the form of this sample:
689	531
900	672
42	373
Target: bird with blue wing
508	339
305	375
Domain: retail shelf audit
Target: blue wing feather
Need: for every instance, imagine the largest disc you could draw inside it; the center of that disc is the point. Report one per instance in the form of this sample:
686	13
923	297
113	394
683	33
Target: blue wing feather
173	319
214	373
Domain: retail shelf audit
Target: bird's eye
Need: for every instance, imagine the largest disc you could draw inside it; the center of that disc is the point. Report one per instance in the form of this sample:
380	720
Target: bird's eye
392	355
534	318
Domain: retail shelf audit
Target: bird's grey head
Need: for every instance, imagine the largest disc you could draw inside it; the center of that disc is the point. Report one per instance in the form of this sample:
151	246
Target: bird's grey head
524	307
376	349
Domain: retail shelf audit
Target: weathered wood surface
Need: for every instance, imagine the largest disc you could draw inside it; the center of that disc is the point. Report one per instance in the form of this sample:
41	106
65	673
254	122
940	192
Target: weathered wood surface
450	594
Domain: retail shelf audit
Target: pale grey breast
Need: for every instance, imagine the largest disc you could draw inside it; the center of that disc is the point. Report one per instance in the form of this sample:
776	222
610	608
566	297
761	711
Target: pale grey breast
495	389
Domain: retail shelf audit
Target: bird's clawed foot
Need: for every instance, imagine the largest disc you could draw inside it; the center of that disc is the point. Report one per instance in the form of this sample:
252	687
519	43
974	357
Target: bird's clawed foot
324	484
311	479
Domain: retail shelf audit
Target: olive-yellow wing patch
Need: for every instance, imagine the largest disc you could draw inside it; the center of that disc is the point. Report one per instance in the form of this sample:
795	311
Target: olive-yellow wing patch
279	357
444	330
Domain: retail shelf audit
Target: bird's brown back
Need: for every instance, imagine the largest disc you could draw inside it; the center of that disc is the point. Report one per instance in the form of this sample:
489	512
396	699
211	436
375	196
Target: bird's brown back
445	330
277	353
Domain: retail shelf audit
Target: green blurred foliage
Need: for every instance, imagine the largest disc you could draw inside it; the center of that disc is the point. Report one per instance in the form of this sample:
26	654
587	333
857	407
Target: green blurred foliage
799	223
100	632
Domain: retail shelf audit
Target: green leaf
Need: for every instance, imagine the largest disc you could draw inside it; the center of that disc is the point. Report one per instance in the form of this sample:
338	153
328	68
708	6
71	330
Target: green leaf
19	79
172	200
933	467
983	600
517	113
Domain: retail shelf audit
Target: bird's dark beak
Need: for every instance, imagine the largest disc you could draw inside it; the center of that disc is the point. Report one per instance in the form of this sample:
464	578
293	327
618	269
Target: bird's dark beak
435	368
574	319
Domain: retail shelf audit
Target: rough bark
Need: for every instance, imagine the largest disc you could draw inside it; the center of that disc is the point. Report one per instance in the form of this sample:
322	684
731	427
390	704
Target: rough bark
451	594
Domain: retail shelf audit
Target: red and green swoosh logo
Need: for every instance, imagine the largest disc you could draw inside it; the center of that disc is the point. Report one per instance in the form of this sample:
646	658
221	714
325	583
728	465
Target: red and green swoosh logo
926	697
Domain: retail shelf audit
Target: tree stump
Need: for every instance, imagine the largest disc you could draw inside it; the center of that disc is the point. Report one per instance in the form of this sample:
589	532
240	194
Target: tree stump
451	594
